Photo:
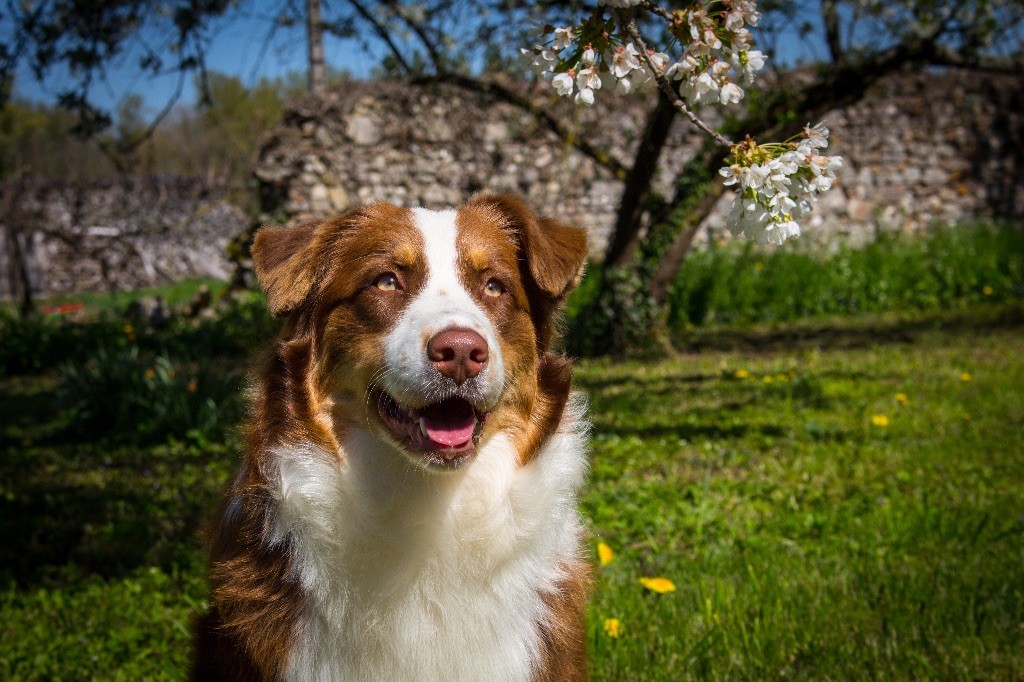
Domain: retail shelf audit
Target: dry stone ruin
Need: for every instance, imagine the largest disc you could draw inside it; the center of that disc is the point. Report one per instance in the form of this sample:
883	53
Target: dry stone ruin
920	150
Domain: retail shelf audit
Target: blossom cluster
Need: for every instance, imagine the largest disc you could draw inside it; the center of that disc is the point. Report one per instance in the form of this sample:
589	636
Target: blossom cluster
716	59
586	58
718	56
776	183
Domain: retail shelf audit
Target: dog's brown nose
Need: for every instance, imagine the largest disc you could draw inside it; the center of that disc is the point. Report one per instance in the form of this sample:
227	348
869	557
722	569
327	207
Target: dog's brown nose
459	354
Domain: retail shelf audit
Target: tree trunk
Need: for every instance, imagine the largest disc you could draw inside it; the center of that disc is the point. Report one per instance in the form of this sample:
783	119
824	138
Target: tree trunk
637	189
630	312
315	29
21	287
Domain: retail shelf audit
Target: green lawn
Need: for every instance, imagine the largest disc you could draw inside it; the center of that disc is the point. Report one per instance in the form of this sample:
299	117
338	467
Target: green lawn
835	501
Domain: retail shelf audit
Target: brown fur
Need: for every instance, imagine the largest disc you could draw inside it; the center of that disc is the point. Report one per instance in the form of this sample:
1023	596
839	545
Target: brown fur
563	633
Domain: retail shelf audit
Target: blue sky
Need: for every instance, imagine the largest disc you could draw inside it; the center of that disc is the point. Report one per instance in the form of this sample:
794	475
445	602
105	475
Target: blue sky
244	44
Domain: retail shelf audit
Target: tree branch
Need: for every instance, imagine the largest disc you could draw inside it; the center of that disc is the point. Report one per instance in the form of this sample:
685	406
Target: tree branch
629	25
830	18
383	34
943	56
505	94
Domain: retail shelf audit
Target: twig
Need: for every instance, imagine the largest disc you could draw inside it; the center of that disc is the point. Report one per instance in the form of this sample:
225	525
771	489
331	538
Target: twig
629	24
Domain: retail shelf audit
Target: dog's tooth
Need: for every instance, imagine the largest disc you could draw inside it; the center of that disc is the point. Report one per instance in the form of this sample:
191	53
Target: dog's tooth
423	427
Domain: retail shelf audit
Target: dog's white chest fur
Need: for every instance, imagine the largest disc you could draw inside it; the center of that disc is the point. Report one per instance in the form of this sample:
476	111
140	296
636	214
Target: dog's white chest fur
411	575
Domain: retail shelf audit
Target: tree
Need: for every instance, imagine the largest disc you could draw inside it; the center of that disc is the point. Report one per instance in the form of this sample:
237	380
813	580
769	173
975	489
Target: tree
865	41
315	43
83	37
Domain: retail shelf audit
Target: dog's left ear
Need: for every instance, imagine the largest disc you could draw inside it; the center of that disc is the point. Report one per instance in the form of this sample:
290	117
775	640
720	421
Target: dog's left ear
283	265
554	252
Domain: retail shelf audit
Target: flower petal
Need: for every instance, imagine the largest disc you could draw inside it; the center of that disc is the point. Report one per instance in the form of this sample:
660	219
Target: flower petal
659	585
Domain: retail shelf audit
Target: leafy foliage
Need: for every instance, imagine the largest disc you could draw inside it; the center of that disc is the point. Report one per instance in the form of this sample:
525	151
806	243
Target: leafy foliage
948	267
215	139
127	394
742	283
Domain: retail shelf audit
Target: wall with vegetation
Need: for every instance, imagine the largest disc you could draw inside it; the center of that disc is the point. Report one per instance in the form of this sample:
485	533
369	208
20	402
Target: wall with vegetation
920	150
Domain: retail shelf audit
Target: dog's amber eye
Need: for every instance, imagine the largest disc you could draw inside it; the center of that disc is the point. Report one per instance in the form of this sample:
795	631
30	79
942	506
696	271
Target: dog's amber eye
493	288
387	282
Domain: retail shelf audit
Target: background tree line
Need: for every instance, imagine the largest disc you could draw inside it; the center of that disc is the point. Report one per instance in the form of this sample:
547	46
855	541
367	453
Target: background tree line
214	140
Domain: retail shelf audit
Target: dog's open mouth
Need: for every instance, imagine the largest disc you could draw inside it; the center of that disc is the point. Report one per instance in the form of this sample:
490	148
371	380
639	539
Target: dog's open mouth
444	434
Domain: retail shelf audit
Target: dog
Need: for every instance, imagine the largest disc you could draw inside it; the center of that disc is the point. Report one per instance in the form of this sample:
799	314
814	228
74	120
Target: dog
405	508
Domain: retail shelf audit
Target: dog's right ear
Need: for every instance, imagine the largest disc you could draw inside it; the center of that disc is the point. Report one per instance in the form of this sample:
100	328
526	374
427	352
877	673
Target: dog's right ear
284	266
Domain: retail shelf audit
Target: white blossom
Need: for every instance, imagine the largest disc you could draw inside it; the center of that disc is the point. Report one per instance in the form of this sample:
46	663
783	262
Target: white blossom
563	84
537	59
659	60
564	37
748	63
730	93
774	183
733	174
817	137
624	61
588	79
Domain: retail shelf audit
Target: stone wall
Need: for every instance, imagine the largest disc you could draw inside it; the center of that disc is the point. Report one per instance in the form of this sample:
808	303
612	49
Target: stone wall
119	234
434	147
920	149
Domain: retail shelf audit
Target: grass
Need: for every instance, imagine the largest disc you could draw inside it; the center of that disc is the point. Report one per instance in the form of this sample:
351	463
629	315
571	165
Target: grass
837	496
804	540
809	537
740	283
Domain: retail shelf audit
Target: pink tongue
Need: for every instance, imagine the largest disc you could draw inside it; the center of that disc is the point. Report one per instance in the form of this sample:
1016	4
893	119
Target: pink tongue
450	423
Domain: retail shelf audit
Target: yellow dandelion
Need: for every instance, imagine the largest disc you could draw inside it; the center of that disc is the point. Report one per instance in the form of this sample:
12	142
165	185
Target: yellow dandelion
965	376
879	420
128	329
987	290
612	627
768	378
782	377
150	373
758	265
741	374
605	555
902	399
659	585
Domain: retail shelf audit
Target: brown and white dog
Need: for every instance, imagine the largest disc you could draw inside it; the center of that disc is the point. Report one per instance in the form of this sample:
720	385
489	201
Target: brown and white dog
406	506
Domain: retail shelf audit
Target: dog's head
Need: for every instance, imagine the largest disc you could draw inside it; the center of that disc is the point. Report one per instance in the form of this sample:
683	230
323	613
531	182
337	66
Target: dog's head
430	327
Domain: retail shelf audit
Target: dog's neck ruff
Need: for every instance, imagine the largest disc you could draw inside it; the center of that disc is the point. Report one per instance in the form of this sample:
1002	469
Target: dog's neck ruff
414	575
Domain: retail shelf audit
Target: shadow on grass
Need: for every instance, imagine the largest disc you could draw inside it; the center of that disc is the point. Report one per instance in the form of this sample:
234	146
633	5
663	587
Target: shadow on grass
690	431
850	332
640	382
72	506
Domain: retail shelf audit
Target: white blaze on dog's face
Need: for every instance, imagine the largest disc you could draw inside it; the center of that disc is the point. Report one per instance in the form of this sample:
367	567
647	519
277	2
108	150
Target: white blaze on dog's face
444	371
426	325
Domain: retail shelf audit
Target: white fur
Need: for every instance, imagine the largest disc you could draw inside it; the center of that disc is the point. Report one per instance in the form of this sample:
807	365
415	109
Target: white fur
442	303
415	575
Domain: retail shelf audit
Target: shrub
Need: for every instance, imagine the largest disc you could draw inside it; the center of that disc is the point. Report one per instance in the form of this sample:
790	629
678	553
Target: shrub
741	283
130	394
